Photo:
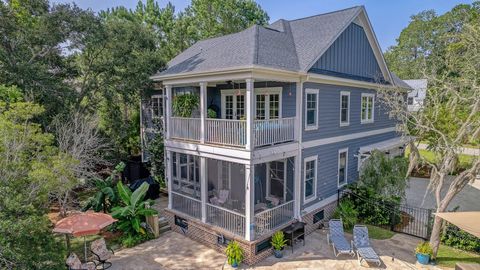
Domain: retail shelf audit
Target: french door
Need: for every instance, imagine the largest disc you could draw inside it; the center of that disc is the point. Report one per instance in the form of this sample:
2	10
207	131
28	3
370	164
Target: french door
267	106
234	106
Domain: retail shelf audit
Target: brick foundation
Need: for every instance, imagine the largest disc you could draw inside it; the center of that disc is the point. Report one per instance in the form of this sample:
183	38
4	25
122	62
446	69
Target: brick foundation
206	234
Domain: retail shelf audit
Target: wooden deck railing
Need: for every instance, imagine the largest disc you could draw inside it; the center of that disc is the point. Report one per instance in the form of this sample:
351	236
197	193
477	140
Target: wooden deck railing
225	132
270	219
187	205
226	219
268	132
185	128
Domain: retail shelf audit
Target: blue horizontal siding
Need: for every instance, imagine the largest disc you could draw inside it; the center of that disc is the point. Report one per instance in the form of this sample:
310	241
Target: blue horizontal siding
327	168
350	56
329	113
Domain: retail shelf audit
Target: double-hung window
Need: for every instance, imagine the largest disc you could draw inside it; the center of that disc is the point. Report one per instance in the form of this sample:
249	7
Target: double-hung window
268	103
310	179
311	109
342	166
344	108
367	108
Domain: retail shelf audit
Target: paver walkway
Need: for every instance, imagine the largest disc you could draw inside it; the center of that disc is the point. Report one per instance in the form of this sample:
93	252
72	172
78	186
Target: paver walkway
170	251
175	251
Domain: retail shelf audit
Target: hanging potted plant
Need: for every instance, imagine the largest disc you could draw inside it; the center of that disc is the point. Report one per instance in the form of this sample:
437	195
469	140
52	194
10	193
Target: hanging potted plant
278	242
423	252
184	105
234	254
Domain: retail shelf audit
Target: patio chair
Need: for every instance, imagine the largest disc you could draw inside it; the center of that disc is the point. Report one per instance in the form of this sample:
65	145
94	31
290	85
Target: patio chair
101	252
223	196
361	243
336	237
74	263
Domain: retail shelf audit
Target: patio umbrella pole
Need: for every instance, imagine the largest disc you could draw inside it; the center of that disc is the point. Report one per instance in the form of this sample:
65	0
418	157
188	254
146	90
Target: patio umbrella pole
85	247
68	243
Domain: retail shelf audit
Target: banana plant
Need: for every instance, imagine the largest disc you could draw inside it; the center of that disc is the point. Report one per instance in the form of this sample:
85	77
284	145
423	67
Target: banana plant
105	197
134	209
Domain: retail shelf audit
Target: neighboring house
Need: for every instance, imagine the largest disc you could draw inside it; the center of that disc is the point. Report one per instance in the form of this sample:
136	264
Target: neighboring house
417	95
297	113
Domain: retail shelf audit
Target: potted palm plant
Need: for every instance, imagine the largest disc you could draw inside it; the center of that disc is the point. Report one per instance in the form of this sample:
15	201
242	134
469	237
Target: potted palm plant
278	242
234	254
423	252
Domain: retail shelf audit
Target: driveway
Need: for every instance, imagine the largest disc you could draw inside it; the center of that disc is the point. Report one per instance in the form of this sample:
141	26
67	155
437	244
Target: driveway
468	199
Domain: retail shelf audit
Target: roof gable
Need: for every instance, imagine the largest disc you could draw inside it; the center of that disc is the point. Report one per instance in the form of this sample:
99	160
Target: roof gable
350	56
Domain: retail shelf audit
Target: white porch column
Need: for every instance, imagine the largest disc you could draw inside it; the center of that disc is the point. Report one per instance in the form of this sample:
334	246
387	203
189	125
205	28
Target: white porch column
203	110
298	186
249	202
168	110
298	112
203	187
250	110
168	168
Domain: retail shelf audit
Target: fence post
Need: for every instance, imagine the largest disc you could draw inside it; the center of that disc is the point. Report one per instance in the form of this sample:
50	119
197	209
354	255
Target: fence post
429	224
392	220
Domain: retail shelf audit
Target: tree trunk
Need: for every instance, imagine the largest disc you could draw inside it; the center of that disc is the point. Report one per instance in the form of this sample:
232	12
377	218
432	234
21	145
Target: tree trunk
435	236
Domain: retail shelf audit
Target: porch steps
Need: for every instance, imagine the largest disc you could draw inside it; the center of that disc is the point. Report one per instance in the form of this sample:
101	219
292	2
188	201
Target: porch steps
163	225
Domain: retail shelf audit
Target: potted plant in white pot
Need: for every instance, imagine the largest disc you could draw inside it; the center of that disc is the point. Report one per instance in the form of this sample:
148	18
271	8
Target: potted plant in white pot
423	252
278	242
234	254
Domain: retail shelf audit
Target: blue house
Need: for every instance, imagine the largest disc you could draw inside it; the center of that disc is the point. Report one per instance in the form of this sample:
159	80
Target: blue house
286	115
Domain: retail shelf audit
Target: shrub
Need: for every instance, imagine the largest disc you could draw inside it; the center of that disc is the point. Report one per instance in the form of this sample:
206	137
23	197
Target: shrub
134	210
106	197
424	248
131	240
278	240
373	208
234	253
457	238
347	212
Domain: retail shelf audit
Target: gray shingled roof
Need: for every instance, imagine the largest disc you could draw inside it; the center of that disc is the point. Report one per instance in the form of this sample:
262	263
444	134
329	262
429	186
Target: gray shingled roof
399	82
290	45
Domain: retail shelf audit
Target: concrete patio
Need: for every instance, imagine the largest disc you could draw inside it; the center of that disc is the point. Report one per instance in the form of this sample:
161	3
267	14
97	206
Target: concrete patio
175	251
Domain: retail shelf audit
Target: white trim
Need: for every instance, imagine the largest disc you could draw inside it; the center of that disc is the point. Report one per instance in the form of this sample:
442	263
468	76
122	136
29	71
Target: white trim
325	79
340	151
314	143
305	160
367	121
320	204
233	93
266	92
316	92
345	93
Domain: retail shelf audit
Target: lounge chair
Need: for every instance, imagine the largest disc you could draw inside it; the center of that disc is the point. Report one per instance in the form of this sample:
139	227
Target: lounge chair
74	263
361	243
336	237
101	252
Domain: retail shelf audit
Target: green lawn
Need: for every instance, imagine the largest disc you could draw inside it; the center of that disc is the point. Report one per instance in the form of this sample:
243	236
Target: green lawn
465	160
448	256
378	233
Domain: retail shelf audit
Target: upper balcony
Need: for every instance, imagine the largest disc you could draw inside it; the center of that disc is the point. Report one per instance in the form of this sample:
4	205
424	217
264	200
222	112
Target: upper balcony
242	115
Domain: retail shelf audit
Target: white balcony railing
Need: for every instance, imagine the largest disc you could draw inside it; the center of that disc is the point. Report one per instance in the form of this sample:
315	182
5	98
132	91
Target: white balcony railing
225	132
268	132
270	219
187	205
229	132
226	219
185	128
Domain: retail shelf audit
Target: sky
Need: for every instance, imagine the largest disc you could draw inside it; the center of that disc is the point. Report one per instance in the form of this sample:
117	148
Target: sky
387	17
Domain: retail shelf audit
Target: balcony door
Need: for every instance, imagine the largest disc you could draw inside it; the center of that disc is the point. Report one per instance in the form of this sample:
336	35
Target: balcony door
268	104
233	104
276	180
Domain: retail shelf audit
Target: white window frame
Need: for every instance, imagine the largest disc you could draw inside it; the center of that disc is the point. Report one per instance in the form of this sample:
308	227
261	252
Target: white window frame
340	151
284	161
342	94
314	196
257	91
220	172
316	92
366	121
162	97
182	182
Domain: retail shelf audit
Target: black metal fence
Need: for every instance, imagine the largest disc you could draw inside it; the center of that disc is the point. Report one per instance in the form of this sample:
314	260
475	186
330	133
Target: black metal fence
396	217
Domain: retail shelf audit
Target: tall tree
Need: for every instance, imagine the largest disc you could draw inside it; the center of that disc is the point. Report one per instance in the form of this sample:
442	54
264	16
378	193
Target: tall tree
426	38
450	118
